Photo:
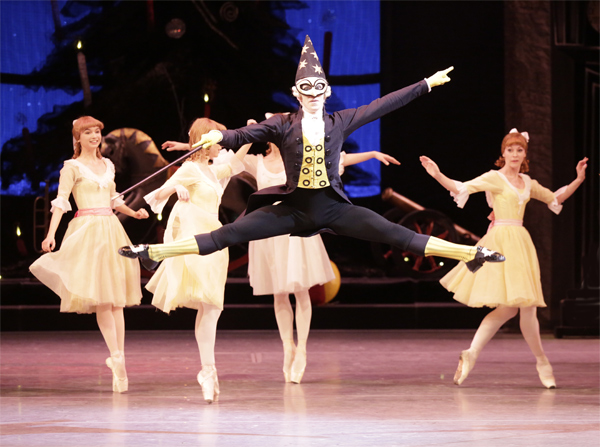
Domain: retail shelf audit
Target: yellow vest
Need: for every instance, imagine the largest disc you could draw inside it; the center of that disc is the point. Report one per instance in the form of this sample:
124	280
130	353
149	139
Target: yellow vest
313	174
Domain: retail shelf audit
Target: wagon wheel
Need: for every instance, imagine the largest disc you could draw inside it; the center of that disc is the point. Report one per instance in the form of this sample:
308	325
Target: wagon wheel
382	253
432	223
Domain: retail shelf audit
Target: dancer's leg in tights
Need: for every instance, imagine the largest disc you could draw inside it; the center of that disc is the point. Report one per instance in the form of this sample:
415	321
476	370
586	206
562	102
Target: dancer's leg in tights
489	326
111	323
263	223
363	223
303	317
530	328
206	332
284	315
487	329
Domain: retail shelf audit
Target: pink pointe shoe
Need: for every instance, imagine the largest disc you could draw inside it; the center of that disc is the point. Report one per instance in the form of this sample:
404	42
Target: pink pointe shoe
298	366
546	374
466	362
289	353
117	362
209	382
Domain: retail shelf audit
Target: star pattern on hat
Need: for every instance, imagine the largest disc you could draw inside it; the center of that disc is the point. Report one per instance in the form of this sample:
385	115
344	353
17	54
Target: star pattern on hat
309	65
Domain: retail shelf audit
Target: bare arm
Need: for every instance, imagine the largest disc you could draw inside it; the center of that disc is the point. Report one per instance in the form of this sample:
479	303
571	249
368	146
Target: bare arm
352	159
49	243
433	170
139	214
572	187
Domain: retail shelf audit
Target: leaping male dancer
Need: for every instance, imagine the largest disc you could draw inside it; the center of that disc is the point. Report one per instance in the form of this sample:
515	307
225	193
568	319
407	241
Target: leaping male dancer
313	199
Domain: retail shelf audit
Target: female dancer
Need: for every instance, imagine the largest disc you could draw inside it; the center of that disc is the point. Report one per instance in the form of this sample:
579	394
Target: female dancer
85	272
196	282
284	264
514	285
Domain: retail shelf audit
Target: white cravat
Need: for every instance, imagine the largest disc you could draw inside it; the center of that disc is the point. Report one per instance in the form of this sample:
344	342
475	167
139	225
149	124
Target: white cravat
313	127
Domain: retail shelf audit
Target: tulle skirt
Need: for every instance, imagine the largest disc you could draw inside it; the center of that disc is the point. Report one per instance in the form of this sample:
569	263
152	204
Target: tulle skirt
87	270
189	280
284	264
514	282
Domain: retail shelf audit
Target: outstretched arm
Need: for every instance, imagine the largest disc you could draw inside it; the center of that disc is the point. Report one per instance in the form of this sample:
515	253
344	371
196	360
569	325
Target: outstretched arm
352	159
433	170
175	146
572	187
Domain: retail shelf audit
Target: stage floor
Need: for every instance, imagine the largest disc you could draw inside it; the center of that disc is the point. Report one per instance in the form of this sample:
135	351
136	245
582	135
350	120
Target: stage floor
361	388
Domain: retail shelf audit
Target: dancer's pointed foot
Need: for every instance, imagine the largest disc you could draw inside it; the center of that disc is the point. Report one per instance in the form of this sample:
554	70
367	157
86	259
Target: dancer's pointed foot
483	255
208	380
546	374
289	352
139	251
116	363
298	366
466	362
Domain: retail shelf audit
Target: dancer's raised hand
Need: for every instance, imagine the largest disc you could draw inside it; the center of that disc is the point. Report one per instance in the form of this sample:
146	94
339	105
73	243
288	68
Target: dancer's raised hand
440	78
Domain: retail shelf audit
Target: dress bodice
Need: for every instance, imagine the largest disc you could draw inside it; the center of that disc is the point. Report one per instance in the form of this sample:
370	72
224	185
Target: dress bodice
507	201
89	189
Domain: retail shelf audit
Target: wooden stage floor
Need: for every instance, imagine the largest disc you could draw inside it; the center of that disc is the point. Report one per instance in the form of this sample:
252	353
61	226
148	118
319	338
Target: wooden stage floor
361	388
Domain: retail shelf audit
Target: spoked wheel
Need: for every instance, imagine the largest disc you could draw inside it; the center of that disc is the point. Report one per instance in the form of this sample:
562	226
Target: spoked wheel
431	223
382	253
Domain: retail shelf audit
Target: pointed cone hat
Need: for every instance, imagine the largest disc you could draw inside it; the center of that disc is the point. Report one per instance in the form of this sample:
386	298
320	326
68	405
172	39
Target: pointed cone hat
309	65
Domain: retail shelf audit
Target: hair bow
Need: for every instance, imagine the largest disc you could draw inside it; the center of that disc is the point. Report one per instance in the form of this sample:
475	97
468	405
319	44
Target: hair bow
525	134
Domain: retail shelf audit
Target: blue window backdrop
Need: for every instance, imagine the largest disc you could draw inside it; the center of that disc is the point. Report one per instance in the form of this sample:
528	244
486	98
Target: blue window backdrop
25	40
355	50
26	28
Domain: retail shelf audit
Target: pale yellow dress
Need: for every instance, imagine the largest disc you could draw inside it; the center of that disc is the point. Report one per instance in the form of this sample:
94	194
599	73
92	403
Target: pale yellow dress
189	280
515	282
87	270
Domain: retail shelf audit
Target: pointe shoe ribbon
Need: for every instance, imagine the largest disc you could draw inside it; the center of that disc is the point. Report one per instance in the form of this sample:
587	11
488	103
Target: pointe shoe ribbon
119	385
139	251
484	255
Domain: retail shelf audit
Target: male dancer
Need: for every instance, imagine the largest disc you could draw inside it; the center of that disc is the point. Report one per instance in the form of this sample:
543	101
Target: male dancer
313	199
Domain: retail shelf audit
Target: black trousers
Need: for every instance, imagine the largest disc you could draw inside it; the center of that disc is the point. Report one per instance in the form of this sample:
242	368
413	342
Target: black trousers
306	211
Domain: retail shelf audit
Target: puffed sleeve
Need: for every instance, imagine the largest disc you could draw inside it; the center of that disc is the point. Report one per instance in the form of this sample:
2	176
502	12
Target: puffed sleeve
538	192
186	175
117	201
68	177
251	164
490	182
229	166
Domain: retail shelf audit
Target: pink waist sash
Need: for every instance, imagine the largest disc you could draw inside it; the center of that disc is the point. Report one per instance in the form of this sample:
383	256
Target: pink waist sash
94	212
505	223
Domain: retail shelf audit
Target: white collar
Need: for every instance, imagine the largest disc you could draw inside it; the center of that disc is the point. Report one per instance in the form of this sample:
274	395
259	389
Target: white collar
312	116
